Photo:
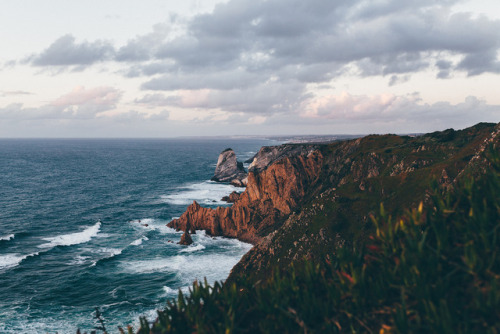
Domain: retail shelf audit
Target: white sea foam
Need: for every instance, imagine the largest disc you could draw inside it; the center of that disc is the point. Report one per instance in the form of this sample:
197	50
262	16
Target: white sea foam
110	252
208	193
10	260
79	259
152	224
173	292
139	241
7	237
13	260
73	238
202	238
192	248
187	267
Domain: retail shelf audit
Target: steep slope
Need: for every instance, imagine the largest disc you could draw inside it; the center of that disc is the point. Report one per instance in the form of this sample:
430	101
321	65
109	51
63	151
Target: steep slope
303	201
356	177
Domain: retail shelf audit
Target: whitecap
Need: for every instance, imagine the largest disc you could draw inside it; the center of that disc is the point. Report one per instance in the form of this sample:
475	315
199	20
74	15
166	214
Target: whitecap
152	224
139	241
111	252
13	260
79	259
208	193
192	248
187	267
73	238
7	237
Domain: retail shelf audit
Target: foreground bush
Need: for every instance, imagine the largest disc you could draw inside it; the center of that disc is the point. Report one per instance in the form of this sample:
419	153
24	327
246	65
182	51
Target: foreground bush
434	270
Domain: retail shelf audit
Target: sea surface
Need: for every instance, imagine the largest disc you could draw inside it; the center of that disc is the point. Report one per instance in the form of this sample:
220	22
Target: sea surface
83	225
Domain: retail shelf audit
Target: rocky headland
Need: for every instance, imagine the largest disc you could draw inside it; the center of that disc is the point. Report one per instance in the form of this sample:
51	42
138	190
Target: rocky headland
304	201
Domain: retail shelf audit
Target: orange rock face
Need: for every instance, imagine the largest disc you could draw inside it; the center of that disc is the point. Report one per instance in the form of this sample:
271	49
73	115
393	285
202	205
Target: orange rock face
271	195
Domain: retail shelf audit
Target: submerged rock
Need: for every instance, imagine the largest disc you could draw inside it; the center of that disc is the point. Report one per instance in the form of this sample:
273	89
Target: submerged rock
229	169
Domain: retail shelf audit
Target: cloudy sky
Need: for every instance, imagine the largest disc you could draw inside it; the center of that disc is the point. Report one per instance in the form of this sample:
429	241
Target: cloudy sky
164	68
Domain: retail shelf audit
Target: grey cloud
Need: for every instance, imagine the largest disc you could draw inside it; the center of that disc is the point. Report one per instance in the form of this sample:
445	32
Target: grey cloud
223	80
478	63
264	99
395	79
269	37
143	47
258	36
65	52
157	100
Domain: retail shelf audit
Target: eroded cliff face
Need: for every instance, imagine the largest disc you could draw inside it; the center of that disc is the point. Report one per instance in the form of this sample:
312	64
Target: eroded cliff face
273	191
357	176
305	201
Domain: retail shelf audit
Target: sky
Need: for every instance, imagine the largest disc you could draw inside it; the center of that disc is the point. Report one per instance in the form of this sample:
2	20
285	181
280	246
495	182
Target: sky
164	68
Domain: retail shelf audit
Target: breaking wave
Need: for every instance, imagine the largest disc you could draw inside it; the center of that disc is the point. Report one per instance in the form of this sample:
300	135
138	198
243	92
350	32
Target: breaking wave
73	238
7	237
13	260
208	193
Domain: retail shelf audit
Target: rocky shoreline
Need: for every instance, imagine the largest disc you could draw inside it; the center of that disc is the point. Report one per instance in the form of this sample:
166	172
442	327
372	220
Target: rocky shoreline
302	201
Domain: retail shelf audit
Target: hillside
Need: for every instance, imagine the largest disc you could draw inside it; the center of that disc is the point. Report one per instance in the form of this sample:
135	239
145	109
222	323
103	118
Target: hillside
379	234
303	201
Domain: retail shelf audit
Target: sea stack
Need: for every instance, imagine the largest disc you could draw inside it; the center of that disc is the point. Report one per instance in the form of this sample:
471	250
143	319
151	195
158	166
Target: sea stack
230	170
186	239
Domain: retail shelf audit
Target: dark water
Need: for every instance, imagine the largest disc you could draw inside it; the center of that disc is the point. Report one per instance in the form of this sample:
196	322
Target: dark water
73	234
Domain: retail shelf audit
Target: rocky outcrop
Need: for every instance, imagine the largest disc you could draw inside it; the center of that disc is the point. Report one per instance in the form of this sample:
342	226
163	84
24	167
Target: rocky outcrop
272	193
233	197
269	154
186	239
229	169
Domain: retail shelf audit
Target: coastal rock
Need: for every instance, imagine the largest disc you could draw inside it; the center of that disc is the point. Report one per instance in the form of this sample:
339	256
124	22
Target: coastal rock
271	195
186	239
233	197
229	169
269	154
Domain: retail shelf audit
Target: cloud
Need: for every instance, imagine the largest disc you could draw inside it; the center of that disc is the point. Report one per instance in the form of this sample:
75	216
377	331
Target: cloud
14	93
263	58
86	103
80	103
264	38
266	98
407	109
65	52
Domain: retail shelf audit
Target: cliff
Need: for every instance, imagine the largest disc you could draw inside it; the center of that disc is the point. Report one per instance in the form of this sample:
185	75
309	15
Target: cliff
358	176
305	201
325	267
273	191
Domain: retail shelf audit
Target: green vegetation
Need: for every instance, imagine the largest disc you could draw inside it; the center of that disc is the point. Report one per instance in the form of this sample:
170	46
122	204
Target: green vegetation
434	269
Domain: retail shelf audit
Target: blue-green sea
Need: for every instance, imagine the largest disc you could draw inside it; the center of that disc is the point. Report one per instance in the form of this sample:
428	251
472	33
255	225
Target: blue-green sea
83	225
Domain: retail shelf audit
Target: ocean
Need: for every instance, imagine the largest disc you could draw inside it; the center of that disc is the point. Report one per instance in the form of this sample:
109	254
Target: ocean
83	225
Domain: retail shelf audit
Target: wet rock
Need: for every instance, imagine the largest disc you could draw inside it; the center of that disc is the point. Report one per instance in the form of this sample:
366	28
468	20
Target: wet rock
186	239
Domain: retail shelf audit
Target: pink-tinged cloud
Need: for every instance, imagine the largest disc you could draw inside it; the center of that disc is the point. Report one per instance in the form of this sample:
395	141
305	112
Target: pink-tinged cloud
347	106
99	96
